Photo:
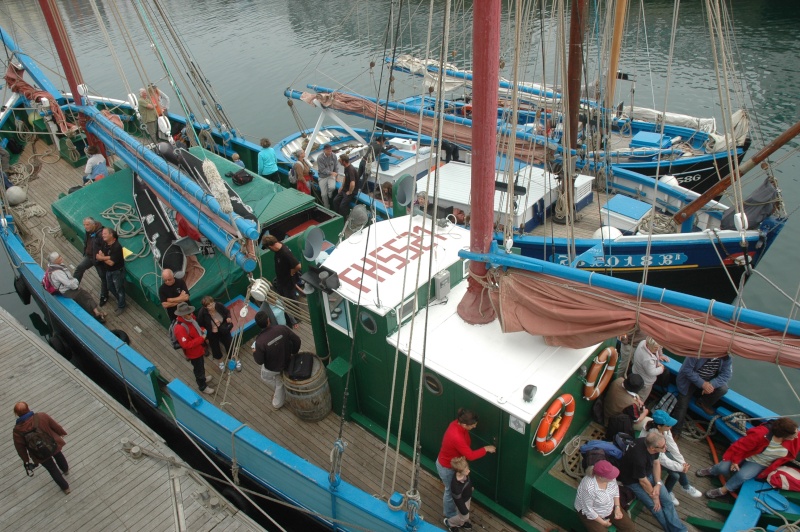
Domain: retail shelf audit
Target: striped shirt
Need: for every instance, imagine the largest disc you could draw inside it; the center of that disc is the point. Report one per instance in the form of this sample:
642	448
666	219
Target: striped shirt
593	501
770	454
710	369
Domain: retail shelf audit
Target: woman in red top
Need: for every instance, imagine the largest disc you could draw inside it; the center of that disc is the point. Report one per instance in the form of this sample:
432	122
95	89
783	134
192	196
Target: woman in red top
192	339
755	455
455	443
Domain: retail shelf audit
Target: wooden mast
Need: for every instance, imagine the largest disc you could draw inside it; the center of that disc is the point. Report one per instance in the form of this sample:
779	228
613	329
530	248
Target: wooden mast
68	62
616	46
475	307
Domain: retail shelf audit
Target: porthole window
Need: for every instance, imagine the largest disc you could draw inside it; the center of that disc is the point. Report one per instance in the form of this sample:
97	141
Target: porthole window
433	384
368	322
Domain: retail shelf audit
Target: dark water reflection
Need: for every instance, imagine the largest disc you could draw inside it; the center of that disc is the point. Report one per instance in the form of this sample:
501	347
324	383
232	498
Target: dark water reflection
252	50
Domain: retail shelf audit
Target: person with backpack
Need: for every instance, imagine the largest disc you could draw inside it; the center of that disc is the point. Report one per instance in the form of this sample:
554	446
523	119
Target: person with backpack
597	500
755	455
58	278
39	439
672	460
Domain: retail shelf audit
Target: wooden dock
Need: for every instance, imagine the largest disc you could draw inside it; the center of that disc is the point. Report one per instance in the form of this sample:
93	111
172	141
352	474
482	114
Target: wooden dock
110	490
366	464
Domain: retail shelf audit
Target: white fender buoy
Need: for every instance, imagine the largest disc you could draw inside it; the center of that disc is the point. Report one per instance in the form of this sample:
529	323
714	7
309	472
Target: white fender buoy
607	232
16	195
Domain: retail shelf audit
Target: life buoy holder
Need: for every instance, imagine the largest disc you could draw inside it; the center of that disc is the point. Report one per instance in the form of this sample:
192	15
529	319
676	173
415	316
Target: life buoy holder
555	424
594	387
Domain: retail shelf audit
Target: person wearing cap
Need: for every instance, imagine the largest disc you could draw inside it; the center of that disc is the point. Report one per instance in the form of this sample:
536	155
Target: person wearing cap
302	172
672	461
69	286
622	398
597	500
755	455
641	472
648	361
268	162
326	170
192	339
272	349
706	379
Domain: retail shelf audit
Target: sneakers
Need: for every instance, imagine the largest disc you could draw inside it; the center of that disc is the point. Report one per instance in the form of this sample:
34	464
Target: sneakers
238	365
222	366
103	301
703	472
208	390
716	493
675	501
467	526
448	527
209	378
66	491
65	473
692	491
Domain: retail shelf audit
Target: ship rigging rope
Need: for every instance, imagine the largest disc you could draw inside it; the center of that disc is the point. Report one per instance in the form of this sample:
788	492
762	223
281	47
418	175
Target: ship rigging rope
110	45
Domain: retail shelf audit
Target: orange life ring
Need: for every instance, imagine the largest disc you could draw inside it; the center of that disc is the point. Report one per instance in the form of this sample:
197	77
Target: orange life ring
466	110
593	388
554	426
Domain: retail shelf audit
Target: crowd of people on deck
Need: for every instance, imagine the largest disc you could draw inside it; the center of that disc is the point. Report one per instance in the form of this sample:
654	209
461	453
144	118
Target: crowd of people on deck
654	465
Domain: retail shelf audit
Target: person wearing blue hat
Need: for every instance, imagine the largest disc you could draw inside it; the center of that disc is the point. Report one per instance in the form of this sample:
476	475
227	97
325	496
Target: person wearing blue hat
672	461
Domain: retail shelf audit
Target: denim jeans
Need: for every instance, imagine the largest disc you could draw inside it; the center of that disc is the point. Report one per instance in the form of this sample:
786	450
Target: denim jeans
682	404
747	470
447	474
115	279
667	517
675	477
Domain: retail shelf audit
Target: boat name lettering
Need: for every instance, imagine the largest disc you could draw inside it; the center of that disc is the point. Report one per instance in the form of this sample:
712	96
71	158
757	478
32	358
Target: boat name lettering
388	259
626	261
689	178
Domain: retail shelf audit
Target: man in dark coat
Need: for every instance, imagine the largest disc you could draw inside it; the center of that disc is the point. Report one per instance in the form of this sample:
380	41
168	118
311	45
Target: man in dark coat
287	267
113	260
28	421
92	243
172	292
273	347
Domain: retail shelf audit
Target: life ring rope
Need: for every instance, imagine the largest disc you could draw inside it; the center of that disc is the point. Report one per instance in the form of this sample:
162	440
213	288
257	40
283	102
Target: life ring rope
548	440
595	382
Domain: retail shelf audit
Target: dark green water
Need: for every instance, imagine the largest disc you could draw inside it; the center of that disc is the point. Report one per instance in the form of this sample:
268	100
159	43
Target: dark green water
251	50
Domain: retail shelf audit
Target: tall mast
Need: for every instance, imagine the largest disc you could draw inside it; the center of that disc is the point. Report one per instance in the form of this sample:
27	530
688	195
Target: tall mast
475	308
577	29
68	61
616	45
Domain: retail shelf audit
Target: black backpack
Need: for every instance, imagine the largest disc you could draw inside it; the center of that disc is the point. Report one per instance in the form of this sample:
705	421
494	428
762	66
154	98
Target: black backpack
241	177
175	343
39	443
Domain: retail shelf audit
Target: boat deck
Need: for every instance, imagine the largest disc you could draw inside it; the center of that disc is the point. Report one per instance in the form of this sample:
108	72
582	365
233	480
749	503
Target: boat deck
245	396
110	490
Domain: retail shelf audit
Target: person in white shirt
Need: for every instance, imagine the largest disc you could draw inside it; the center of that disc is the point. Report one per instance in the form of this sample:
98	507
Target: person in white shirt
672	461
68	286
648	362
597	500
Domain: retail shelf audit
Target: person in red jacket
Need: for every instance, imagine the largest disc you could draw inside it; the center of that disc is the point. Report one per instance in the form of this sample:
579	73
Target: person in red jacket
755	455
456	442
192	338
27	421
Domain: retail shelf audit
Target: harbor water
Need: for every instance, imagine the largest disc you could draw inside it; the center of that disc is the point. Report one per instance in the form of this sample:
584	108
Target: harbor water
251	51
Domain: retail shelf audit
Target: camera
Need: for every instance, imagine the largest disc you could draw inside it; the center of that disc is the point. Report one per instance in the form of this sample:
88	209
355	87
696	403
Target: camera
30	466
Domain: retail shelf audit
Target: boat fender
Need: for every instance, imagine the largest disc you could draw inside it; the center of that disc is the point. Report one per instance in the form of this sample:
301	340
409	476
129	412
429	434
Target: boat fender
235	498
22	290
59	346
554	425
593	389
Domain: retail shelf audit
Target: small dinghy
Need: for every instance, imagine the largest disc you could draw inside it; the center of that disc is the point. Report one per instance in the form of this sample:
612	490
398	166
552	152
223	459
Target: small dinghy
158	228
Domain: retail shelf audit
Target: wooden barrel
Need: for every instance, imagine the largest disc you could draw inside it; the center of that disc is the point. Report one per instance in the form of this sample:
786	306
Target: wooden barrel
310	400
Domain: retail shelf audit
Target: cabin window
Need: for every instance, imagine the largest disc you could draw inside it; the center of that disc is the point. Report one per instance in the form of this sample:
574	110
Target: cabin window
407	310
465	270
337	313
433	384
368	322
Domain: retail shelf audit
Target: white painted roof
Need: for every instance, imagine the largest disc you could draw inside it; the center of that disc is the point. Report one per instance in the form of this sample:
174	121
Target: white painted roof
484	360
380	250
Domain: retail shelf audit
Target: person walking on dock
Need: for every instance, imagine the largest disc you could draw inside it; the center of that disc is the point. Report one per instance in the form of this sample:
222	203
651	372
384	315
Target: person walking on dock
39	439
273	348
192	339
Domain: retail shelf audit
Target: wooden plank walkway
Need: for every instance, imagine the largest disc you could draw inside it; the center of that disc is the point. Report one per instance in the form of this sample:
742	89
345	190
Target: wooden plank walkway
243	394
110	490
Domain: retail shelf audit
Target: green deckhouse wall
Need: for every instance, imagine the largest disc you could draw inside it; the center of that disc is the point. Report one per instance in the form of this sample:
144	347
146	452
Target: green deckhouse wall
507	481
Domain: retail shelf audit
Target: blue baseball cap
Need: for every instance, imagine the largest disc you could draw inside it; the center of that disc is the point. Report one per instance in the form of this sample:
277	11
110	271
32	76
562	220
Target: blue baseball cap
662	418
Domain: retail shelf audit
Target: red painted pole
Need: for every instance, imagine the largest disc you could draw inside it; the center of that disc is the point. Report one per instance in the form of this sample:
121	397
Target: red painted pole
475	308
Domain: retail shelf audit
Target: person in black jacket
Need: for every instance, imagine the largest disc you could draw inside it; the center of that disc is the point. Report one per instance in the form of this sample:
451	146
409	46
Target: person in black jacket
92	243
113	261
461	491
216	319
273	347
